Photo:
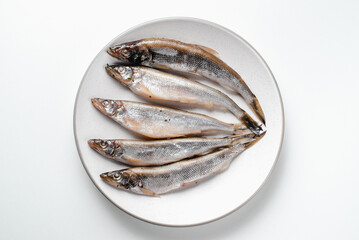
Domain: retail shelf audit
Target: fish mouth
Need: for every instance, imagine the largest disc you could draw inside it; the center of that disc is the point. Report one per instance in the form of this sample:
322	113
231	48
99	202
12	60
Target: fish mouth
114	52
111	70
98	104
92	143
95	145
108	179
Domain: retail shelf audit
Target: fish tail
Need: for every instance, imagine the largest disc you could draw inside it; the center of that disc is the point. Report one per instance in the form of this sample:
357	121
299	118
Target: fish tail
258	110
240	135
240	129
252	101
249	123
248	141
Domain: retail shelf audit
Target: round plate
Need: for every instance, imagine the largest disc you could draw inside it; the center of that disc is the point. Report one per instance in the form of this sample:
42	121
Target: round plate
223	193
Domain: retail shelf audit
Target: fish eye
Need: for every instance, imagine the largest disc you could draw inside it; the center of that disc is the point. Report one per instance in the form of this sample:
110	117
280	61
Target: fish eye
103	144
121	69
116	176
125	52
109	106
105	103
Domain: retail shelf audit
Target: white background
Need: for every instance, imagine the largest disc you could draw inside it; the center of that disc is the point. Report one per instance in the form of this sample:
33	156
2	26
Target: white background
312	49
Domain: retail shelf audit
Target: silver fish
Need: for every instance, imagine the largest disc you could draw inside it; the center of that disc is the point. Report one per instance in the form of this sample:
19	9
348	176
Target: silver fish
158	85
153	181
162	122
156	152
171	54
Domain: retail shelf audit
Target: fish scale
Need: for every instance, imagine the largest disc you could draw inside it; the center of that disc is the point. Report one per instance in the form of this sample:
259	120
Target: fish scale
157	152
158	85
154	181
162	122
165	53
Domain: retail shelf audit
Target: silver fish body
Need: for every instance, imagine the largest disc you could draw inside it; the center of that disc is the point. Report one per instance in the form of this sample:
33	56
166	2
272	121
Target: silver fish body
158	85
156	152
171	54
154	181
162	122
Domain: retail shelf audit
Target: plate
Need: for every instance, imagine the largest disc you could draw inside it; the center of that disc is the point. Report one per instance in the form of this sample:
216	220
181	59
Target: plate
211	199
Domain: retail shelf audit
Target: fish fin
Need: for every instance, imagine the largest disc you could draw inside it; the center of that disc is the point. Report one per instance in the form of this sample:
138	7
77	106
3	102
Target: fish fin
149	192
132	123
189	183
135	161
240	126
186	99
161	66
207	49
195	101
208	105
145	92
240	136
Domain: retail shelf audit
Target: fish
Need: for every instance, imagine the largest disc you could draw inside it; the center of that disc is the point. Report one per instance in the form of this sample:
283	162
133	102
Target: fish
158	85
165	53
163	122
157	180
157	152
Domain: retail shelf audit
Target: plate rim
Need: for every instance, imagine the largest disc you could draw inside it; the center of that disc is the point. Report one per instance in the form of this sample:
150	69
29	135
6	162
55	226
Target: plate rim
203	21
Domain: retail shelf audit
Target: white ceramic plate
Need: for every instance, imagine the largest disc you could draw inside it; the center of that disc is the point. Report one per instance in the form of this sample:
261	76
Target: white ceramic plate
220	195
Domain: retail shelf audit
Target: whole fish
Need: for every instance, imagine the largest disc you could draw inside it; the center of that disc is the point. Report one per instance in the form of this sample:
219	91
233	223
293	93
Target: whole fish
158	85
162	122
157	152
184	57
154	181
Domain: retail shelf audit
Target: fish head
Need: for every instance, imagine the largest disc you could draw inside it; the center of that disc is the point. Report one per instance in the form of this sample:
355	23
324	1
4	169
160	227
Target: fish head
107	148
110	108
123	74
124	179
130	53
